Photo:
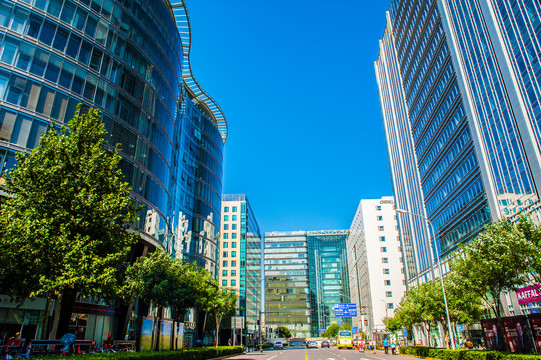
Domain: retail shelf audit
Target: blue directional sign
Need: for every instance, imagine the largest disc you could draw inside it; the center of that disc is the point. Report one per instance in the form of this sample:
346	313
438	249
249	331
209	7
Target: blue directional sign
355	329
345	310
340	323
321	331
405	332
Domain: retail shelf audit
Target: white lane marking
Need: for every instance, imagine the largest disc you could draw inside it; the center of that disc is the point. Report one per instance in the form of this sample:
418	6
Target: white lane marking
272	357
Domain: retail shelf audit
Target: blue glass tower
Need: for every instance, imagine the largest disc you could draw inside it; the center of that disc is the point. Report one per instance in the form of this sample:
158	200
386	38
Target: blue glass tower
467	81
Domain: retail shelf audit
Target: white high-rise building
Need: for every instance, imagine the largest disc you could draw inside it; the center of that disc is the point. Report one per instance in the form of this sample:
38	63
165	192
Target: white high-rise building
377	281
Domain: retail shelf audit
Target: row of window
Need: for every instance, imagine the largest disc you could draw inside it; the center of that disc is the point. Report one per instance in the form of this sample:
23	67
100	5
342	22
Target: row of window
233	217
233	226
225	254
233	245
225	263
225	236
233	209
233	282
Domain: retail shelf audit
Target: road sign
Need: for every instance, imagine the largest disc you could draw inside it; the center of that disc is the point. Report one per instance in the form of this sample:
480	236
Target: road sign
405	332
340	322
355	329
345	310
321	331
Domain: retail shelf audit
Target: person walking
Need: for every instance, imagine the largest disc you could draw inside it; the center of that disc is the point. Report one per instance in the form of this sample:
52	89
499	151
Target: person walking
386	345
393	348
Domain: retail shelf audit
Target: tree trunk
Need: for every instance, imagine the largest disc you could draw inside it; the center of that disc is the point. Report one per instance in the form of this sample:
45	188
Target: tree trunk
154	322
66	303
44	334
218	321
204	324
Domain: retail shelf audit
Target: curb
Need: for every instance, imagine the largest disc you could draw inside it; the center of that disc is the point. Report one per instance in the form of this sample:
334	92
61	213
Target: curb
227	356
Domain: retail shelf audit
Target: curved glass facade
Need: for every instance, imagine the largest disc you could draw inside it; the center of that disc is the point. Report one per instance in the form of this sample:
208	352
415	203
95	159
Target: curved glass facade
126	59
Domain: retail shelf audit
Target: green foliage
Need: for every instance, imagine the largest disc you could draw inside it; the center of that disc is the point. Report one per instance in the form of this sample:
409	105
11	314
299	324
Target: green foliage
284	332
462	354
65	221
493	263
332	331
189	354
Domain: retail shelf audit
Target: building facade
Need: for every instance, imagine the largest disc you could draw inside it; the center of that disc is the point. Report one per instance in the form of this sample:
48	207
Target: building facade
287	290
130	60
375	264
458	85
328	276
241	250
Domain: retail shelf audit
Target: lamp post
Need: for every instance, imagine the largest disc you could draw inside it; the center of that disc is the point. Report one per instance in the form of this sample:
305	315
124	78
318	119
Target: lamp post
436	258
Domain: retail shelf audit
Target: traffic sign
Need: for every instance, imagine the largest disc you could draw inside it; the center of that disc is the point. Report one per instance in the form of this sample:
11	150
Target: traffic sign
405	332
345	310
355	329
340	322
321	331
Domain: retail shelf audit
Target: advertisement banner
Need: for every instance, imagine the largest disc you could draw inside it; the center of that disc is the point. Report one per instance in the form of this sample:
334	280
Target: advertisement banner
165	335
535	325
493	339
146	335
529	294
516	334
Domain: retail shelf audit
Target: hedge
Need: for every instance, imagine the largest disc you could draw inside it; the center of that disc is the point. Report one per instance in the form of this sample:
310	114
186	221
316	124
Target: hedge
189	354
463	354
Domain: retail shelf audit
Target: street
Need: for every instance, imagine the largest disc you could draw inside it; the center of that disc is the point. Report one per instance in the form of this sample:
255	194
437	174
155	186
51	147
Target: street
317	354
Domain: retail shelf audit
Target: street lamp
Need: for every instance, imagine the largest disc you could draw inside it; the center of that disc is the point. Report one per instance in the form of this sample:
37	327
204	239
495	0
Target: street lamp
436	258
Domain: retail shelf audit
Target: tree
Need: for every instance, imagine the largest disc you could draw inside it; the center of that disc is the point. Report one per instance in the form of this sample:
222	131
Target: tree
332	331
493	263
161	281
222	302
284	332
65	221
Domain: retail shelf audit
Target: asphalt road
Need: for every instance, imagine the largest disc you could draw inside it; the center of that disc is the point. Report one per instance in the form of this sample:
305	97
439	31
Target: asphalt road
318	354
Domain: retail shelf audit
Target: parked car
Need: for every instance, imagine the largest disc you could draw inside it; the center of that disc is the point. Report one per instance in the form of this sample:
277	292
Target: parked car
278	345
325	343
311	344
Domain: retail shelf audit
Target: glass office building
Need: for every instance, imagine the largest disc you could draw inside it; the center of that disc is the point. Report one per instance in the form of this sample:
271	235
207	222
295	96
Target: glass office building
130	59
463	79
328	276
287	292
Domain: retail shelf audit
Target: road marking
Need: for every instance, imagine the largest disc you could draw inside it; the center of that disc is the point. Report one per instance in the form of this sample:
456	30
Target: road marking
306	353
272	357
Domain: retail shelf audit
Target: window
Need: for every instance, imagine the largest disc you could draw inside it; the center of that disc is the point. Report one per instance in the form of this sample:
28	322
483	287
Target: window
380	218
385	260
390	306
224	263
226	217
381	228
224	282
233	253
224	245
233	235
233	217
225	236
224	254
388	293
224	272
383	249
387	282
233	263
382	238
233	272
226	208
378	208
233	226
226	227
234	245
386	272
233	282
234	209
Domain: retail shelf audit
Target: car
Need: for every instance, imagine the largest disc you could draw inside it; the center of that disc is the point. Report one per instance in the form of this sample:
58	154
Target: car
278	345
325	343
311	344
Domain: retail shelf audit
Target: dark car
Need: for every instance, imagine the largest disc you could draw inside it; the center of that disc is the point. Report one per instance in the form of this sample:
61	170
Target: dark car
325	343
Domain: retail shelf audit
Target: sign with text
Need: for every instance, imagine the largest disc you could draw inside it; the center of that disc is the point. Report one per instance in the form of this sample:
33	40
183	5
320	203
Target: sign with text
529	294
345	310
321	331
355	330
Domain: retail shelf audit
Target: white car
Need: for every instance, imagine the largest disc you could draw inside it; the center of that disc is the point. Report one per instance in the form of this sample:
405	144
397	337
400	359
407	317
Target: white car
278	345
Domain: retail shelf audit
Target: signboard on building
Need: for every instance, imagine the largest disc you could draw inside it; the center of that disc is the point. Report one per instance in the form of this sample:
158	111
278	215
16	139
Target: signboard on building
237	322
529	294
345	310
321	331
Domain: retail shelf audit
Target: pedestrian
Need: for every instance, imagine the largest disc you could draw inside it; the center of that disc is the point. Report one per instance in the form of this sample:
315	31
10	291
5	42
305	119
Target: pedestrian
229	342
393	348
386	345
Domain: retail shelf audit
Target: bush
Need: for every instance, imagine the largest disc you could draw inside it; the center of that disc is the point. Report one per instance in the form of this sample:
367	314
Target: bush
462	354
189	354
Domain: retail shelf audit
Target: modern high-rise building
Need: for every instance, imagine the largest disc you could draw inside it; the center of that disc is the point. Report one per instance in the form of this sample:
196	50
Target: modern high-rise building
130	59
241	250
459	86
306	274
287	291
328	276
375	264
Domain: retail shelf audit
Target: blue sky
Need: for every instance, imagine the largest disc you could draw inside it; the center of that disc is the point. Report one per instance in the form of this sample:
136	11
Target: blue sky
296	82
